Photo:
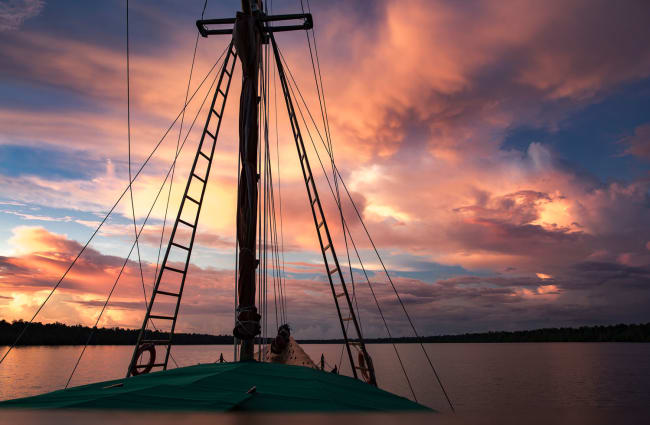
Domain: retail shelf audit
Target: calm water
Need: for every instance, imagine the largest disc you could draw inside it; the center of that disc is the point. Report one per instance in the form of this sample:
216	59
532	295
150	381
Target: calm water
478	377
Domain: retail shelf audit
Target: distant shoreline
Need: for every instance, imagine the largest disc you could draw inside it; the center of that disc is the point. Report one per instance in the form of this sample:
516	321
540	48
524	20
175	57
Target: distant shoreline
58	334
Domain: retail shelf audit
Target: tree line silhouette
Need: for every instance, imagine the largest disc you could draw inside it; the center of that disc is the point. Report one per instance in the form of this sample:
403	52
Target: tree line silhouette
62	334
611	333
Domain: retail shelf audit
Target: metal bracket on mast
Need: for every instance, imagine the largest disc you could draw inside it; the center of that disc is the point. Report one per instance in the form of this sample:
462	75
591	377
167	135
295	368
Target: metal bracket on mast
365	365
307	23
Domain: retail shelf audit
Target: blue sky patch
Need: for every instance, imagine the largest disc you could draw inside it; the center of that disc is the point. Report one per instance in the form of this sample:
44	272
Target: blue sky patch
47	163
588	139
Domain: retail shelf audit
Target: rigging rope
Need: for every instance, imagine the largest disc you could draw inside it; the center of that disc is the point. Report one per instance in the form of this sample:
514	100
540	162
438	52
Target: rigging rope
137	236
234	341
371	241
171	181
268	230
277	152
278	268
128	126
328	135
92	236
320	91
180	131
275	258
260	247
347	229
128	114
265	124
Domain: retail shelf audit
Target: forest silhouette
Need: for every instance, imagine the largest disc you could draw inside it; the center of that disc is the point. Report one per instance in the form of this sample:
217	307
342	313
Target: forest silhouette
62	334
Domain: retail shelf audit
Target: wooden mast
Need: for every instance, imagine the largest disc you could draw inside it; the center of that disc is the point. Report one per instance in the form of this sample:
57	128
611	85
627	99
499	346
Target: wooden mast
250	29
247	40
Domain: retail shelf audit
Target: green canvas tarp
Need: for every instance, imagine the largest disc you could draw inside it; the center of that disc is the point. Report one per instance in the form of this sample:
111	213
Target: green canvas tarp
243	386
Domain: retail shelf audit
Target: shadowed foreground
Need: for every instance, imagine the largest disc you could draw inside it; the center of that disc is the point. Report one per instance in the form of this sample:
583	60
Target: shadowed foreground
248	386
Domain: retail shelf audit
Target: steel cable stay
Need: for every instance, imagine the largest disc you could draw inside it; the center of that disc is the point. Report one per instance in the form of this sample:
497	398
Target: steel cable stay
347	229
325	238
276	267
334	192
282	285
270	224
264	124
180	131
267	206
128	126
261	235
110	211
128	114
187	217
330	187
137	236
171	181
234	339
171	184
268	176
274	263
128	120
356	250
271	210
326	124
273	244
320	91
189	81
334	195
277	250
358	214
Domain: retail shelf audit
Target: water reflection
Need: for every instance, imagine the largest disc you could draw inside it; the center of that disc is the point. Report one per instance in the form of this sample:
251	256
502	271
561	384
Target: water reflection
478	377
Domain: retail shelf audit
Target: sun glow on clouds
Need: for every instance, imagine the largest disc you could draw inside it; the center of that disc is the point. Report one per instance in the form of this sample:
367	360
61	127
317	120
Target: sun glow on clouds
547	289
543	292
385	211
556	213
29	240
27	279
420	144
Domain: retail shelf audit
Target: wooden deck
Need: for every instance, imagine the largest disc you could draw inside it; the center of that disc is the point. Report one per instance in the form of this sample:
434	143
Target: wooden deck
292	355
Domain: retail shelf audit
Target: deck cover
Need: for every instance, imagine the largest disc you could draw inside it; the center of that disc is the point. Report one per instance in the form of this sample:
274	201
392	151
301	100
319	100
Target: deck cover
225	387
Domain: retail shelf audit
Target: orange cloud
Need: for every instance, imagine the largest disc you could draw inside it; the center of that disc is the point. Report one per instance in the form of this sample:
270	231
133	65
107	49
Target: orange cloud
418	109
26	279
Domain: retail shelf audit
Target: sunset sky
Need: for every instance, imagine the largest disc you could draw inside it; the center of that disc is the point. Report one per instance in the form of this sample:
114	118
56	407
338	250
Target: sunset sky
499	153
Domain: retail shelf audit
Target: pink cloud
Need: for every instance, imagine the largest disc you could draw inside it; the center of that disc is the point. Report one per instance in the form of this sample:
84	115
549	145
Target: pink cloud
418	110
14	12
208	300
